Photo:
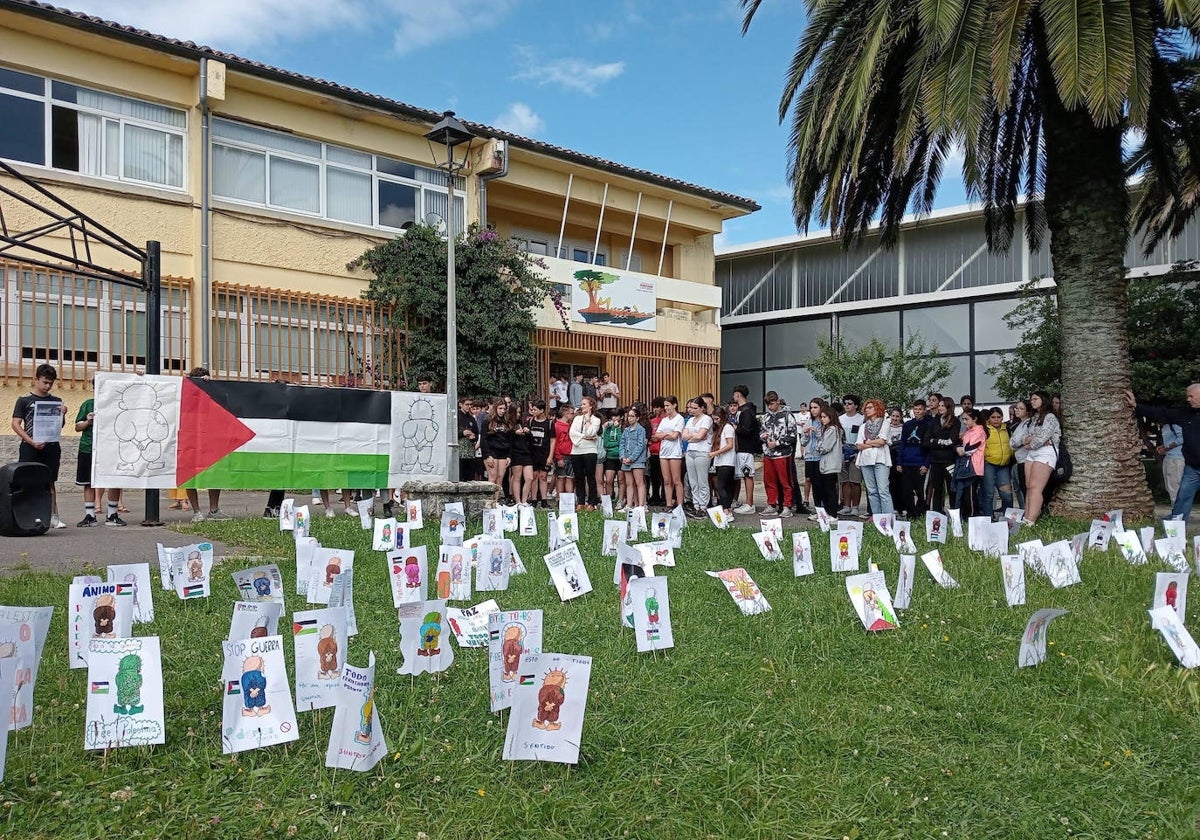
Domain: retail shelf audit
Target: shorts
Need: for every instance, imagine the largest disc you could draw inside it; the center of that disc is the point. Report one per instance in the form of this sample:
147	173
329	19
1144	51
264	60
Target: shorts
1047	455
540	465
851	474
612	464
636	465
50	455
83	470
563	468
520	459
744	464
812	470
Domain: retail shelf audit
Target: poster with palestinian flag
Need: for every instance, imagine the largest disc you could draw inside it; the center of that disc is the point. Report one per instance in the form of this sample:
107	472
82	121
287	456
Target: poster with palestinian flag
167	431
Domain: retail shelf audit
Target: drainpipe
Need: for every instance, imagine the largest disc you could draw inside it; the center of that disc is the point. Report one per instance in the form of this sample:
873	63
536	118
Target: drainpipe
205	220
483	179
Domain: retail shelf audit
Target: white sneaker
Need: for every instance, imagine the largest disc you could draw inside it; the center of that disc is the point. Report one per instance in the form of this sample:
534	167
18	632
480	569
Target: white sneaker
845	511
744	508
316	500
55	522
351	512
197	517
329	514
785	513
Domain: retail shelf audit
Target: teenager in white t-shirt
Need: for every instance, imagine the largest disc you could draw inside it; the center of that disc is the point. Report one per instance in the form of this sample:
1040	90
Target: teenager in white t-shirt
670	452
724	458
697	431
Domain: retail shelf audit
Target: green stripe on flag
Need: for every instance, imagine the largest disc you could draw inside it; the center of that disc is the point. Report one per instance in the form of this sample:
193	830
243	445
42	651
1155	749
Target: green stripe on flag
268	470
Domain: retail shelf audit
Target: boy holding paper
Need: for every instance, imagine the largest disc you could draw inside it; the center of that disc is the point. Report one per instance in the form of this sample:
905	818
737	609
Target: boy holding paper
39	444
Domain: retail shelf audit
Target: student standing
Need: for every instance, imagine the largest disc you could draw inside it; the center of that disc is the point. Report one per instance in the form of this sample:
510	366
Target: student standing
84	422
49	454
670	454
585	436
634	453
697	431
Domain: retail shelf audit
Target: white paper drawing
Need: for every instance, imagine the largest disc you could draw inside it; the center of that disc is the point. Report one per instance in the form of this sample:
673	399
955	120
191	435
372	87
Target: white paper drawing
716	515
885	523
1099	534
366	509
527	521
567	571
254	620
511	635
872	602
1060	564
320	640
424	638
843	551
1033	641
408	571
305	548
326	564
614	535
902	537
935	527
23	632
257	711
768	545
287	514
904	581
566	503
933	562
823	520
1169	552
1165	620
568	527
97	611
470	625
1131	548
1170	590
1012	571
260	583
341	594
143	594
802	556
1031	553
453	527
415	510
546	723
492	569
383	537
606	506
125	694
651	613
356	739
743	590
493	525
774	527
193	572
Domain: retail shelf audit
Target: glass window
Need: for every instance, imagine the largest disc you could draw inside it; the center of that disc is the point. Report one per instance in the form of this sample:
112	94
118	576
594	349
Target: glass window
959	381
397	204
991	333
22	129
337	154
947	327
239	174
795	342
23	82
275	140
985	384
741	348
857	330
153	156
396	167
348	195
795	385
295	185
752	380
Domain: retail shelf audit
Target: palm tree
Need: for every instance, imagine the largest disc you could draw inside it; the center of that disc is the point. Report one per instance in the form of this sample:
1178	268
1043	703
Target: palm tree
1038	93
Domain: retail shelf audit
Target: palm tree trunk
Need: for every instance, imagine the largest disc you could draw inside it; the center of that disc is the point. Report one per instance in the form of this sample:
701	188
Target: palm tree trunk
1087	211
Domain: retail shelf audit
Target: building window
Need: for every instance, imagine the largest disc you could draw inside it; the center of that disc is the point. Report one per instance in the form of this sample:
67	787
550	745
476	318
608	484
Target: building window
77	129
280	171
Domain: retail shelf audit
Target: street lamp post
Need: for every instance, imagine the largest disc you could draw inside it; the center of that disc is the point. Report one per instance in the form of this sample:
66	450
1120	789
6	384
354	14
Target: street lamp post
451	133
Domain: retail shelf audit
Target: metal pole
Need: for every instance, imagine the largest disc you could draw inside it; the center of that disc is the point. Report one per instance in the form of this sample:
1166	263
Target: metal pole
451	322
152	279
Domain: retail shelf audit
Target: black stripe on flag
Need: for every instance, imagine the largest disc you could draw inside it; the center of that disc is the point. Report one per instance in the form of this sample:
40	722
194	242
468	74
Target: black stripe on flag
282	401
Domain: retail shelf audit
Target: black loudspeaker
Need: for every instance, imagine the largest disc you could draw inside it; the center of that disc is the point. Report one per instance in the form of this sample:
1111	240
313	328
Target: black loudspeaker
25	502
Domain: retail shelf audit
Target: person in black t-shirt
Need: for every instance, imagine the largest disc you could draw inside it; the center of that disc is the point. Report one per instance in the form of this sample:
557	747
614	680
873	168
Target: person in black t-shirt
49	454
541	446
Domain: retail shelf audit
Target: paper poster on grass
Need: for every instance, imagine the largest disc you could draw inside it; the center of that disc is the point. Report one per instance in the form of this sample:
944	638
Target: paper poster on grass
902	537
802	556
260	583
933	562
567	571
287	514
511	634
301	522
125	694
975	531
455	562
995	539
884	523
23	633
97	611
660	525
955	517
768	545
843	551
630	572
470	625
606	506
1167	622
356	738
566	503
1078	547
492	569
823	520
904	581
1169	553
935	527
871	600
1031	554
744	591
492	526
366	508
320	644
1131	548
509	519
453	527
716	515
424	638
341	594
553	538
1147	535
651	613
193	575
1013	517
1176	531
1060	564
254	620
383	537
415	510
614	535
773	526
1117	518
327	563
137	574
408	573
657	553
527	521
1012	571
257	710
568	527
305	550
546	722
8	675
1033	641
1170	590
166	431
1099	534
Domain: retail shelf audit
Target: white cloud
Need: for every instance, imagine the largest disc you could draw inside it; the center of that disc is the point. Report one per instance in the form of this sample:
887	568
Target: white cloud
231	24
570	73
425	22
520	119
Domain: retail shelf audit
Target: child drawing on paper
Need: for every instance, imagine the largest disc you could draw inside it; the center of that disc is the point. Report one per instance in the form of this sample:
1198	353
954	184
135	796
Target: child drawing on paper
876	613
843	547
661	533
614	537
104	614
195	566
452	526
511	650
567	526
129	686
431	631
254	688
262	586
1171	595
550	700
334	567
363	735
412	512
769	547
456	569
740	586
653	633
327	655
412	572
496	567
443	584
572	574
937	526
386	535
259	631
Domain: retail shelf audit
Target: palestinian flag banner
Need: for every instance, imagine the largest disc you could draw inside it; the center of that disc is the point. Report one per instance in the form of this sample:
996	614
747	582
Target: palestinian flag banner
167	431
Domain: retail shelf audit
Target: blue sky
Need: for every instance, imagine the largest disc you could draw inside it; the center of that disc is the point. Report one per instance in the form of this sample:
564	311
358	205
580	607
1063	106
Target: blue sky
665	85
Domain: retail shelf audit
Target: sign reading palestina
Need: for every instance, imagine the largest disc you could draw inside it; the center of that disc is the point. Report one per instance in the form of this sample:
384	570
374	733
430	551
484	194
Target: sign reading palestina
615	300
166	431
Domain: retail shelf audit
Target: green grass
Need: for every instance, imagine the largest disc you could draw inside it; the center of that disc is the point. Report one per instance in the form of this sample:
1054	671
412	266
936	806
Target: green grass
795	723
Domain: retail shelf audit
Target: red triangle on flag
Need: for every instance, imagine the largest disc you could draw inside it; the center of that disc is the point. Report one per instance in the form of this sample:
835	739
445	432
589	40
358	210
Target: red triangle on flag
207	433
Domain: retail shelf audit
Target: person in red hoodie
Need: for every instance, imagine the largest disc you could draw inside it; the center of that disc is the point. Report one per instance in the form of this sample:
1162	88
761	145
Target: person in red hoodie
564	475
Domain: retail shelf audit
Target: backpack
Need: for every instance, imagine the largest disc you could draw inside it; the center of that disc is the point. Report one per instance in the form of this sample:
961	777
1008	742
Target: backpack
1063	468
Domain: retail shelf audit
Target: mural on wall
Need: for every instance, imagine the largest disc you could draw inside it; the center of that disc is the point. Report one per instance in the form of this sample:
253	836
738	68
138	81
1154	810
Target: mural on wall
616	300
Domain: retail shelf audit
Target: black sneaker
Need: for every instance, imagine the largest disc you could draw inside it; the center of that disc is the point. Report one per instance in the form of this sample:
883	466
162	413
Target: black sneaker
88	521
387	508
802	510
270	513
115	521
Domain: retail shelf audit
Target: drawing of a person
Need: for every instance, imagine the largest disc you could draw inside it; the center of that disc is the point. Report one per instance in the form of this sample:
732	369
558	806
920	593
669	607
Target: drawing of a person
572	575
510	650
254	688
550	700
363	735
497	561
140	428
877	616
419	432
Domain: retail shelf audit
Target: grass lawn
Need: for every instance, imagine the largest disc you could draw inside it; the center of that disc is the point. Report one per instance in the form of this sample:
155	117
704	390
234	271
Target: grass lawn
795	723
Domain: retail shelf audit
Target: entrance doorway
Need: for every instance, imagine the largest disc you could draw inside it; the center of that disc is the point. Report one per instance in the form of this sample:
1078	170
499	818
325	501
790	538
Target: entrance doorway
567	365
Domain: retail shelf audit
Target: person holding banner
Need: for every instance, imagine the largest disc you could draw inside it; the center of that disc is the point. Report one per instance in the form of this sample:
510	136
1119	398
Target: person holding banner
38	418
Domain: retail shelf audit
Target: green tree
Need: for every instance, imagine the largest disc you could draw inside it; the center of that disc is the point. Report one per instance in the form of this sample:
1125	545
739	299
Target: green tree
592	281
896	375
498	289
1038	95
1162	322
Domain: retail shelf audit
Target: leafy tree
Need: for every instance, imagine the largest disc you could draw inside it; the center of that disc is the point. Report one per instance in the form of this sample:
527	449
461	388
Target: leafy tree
896	375
1038	95
498	289
1163	321
592	281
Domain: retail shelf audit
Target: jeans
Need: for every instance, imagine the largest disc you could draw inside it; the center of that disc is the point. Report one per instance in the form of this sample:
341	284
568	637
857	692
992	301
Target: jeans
875	477
1188	485
696	464
996	479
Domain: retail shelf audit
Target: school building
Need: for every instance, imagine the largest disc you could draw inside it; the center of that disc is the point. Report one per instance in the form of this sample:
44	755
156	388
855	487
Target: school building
262	184
781	296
